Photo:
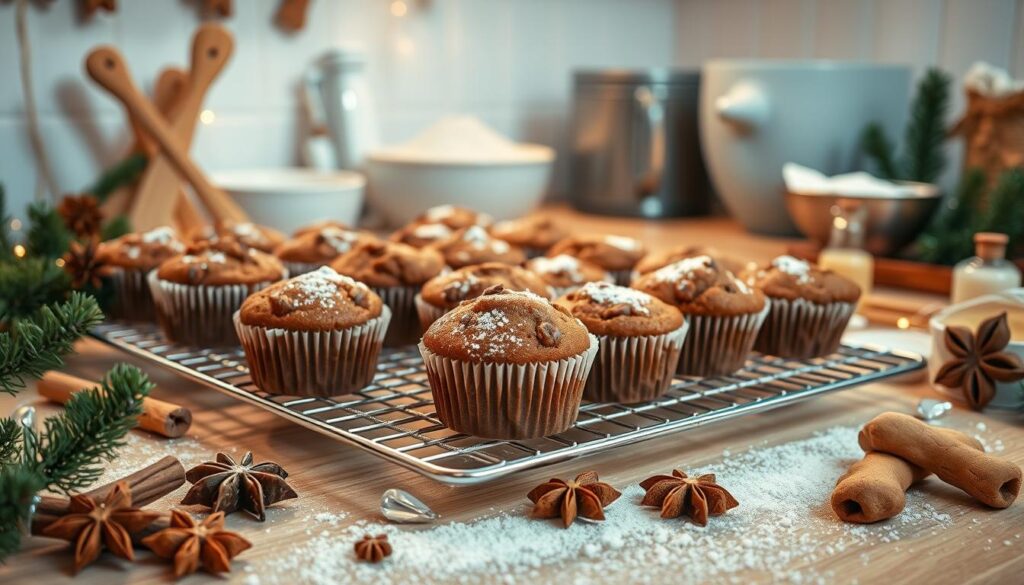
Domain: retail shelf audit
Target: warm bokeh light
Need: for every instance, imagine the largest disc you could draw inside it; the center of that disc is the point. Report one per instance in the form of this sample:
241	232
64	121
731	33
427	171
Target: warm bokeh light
399	8
207	117
19	250
903	323
15	224
59	262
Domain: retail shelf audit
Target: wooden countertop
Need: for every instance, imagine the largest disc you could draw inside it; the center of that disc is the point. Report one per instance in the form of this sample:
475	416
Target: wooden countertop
335	477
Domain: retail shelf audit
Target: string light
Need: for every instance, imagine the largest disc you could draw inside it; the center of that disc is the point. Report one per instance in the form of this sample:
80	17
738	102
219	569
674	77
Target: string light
399	8
207	117
59	262
19	250
903	323
15	224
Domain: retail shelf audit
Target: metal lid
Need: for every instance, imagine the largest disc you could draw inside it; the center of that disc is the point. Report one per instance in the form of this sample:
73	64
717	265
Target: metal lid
636	76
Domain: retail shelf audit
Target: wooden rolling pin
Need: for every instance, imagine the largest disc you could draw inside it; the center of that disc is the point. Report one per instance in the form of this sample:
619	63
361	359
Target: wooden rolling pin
162	418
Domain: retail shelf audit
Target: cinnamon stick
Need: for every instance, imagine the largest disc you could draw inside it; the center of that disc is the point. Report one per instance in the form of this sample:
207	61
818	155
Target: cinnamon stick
162	418
147	484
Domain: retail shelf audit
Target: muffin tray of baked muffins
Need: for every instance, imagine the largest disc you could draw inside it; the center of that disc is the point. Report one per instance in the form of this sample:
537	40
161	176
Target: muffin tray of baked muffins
395	418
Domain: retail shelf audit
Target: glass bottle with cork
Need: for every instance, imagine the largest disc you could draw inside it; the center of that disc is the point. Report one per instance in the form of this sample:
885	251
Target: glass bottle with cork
845	253
987	272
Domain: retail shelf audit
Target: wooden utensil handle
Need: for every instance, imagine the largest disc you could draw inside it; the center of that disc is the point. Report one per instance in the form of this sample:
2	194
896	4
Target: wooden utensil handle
162	418
212	46
107	68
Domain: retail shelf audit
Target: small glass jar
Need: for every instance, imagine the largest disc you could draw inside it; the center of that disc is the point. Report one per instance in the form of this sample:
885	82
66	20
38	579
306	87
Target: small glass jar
987	272
845	254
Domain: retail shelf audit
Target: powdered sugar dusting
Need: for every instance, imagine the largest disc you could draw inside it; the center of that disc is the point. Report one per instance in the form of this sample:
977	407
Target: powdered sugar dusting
339	239
783	530
432	231
609	294
683	269
561	264
320	287
481	240
622	243
163	235
440	212
794	267
489	334
459	289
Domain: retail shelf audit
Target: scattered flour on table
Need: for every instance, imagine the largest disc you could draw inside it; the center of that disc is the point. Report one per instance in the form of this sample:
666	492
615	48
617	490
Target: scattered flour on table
783	523
141	449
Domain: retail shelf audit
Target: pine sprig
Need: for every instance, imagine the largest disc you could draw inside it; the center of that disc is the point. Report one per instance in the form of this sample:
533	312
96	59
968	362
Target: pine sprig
878	148
93	425
47	235
35	345
26	285
1005	213
6	243
10	441
949	238
924	158
18	485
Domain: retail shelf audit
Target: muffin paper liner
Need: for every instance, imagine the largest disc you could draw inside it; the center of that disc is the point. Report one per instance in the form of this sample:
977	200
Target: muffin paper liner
622	277
197	314
719	345
299	268
405	322
313	363
802	329
508	401
634	369
133	300
427	313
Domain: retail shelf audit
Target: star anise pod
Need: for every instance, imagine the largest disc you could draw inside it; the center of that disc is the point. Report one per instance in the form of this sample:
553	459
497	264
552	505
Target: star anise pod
584	496
93	525
81	215
83	264
978	361
192	543
226	486
678	494
373	549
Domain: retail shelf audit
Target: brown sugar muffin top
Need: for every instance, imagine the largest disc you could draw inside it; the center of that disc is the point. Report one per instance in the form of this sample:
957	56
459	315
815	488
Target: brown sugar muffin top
261	237
319	225
219	262
564	271
662	258
608	252
386	264
321	246
420	235
448	290
453	216
699	286
791	278
141	251
503	326
473	245
536	231
607	309
322	300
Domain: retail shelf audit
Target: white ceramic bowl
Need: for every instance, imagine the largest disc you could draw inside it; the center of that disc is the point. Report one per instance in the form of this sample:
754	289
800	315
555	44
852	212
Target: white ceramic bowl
289	198
1009	395
401	188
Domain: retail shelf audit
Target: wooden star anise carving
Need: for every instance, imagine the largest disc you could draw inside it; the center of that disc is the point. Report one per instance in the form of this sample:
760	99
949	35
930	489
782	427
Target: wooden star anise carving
584	496
678	494
193	544
373	549
94	525
226	486
978	361
83	265
81	215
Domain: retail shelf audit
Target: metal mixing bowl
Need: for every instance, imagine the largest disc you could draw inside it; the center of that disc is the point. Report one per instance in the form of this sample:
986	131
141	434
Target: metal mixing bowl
892	222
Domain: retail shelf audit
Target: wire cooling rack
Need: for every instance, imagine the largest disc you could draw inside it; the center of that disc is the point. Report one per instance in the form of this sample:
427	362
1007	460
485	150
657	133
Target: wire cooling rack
394	418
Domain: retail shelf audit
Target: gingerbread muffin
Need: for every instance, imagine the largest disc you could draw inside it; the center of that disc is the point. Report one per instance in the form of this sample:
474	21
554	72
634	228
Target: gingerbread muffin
473	245
319	247
663	258
640	339
616	254
507	365
724	313
534	234
453	216
444	292
564	273
318	334
319	225
196	292
421	235
129	259
810	307
261	237
396	272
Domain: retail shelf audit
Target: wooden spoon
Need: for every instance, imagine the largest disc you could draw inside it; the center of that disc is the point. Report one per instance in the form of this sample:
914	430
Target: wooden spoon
159	191
106	66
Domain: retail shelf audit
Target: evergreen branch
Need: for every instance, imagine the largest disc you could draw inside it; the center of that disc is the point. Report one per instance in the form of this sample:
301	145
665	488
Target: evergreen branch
877	147
1005	213
91	428
26	285
47	236
118	175
949	238
18	486
924	159
10	441
6	243
35	345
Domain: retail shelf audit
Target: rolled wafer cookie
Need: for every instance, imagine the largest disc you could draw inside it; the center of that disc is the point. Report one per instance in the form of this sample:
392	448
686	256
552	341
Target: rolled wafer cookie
873	489
990	480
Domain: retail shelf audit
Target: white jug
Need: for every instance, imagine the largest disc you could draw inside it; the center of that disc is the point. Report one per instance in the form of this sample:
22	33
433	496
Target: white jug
338	98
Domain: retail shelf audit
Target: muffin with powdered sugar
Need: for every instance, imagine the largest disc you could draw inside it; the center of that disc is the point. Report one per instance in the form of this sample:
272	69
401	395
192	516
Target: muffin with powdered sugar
564	273
129	259
616	254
